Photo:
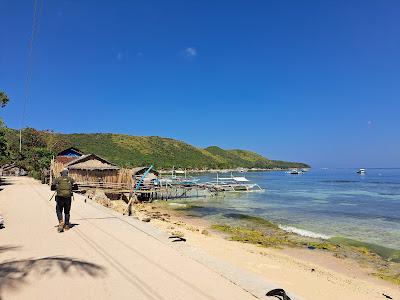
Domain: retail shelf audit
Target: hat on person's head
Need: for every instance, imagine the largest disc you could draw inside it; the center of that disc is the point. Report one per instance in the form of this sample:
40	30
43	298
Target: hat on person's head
64	171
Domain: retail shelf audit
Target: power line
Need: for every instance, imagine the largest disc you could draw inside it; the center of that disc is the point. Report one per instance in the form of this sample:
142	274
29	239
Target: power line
35	24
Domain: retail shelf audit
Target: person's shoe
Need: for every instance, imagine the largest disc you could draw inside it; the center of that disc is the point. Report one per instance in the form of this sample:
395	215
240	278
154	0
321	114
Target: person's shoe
61	226
66	227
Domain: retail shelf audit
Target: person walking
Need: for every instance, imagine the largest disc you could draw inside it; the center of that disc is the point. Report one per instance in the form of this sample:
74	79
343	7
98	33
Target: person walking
64	186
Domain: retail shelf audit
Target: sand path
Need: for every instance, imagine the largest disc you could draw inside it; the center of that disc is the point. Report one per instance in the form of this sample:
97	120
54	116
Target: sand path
104	256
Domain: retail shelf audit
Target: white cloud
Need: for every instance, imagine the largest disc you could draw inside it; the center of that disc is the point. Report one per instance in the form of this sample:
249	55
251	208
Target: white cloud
190	52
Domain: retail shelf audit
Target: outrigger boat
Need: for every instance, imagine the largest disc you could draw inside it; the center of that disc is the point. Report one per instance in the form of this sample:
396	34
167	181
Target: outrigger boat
177	179
361	172
294	172
233	184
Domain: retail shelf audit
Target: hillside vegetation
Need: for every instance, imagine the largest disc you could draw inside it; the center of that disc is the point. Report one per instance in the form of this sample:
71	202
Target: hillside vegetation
129	151
126	150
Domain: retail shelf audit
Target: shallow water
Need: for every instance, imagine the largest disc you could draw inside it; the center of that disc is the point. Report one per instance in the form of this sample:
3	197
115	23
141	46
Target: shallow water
335	202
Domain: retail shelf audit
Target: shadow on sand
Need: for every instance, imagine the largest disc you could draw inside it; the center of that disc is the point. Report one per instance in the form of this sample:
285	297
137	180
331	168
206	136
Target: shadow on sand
5	181
14	274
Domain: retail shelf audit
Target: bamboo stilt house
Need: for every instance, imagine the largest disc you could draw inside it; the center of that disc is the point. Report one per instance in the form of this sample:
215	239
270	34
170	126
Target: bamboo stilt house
91	170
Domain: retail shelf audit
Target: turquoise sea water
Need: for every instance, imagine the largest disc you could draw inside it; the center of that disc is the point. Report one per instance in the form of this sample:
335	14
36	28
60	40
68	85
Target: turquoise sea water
334	202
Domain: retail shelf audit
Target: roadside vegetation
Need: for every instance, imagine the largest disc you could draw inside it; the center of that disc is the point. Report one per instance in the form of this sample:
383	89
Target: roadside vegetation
35	154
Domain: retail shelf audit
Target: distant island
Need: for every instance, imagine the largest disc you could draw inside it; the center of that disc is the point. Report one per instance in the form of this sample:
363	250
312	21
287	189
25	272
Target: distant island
130	151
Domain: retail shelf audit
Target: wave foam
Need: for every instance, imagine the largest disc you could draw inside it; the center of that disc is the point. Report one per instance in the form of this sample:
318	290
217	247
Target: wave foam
304	232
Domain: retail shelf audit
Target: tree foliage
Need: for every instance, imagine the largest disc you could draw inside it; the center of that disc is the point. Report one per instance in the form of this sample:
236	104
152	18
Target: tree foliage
35	154
3	141
3	99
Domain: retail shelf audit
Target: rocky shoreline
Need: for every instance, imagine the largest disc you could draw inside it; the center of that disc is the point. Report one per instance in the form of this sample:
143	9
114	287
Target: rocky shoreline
260	233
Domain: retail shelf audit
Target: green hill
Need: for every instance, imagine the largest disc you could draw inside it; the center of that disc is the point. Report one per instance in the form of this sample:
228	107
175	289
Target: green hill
128	151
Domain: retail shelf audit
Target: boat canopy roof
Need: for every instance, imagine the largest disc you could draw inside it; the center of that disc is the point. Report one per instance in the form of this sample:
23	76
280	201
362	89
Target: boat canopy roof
237	179
179	172
240	179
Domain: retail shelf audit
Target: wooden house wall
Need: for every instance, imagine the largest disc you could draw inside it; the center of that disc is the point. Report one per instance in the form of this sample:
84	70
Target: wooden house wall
122	176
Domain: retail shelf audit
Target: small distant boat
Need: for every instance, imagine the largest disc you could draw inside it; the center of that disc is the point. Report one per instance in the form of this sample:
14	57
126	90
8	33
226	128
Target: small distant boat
294	172
361	171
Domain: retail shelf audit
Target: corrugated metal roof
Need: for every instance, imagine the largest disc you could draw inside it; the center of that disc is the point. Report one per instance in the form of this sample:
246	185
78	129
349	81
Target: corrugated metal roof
72	151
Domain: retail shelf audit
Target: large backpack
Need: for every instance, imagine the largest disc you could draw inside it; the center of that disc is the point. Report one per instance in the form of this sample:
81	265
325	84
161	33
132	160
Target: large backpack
64	187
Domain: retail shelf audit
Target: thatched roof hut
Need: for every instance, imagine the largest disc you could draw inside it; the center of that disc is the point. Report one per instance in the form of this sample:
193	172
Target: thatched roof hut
139	171
92	168
12	170
91	162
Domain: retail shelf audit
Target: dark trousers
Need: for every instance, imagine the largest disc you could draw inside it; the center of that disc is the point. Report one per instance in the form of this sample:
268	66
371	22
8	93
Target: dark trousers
63	203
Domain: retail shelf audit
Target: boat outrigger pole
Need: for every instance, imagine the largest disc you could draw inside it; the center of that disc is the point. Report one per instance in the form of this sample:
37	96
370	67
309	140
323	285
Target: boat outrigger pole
133	192
142	178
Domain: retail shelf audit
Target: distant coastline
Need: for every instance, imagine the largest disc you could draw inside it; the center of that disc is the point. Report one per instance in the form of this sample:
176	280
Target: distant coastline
234	170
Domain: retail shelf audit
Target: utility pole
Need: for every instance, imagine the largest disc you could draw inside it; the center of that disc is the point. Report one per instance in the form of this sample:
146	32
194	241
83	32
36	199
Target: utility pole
20	140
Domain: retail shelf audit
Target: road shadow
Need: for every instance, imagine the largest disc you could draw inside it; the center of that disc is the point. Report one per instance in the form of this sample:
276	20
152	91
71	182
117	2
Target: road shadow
16	273
8	248
5	181
71	225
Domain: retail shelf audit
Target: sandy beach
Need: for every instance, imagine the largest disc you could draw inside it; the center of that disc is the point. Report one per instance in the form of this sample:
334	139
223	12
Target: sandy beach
310	274
119	256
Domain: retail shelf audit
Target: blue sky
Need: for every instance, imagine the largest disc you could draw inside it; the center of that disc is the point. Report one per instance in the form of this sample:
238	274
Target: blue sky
313	81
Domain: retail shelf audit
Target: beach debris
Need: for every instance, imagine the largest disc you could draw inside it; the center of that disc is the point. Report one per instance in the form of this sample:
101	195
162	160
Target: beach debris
177	233
387	296
278	293
177	238
312	270
205	232
311	247
192	228
1	222
99	196
146	220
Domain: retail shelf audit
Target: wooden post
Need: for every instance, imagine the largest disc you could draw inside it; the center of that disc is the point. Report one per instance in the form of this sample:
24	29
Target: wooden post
129	205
